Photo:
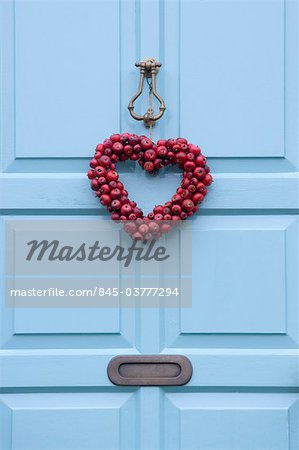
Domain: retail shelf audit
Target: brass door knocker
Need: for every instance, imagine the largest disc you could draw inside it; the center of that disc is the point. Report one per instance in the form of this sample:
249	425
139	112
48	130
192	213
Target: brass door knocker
148	69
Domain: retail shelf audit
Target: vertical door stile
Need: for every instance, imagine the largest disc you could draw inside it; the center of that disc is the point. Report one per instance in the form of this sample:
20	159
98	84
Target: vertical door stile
148	45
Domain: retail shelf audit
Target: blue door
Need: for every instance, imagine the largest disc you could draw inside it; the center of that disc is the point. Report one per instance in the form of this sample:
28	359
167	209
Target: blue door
230	82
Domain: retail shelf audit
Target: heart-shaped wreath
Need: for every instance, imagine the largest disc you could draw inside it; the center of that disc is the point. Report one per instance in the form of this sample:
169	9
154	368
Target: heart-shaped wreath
111	192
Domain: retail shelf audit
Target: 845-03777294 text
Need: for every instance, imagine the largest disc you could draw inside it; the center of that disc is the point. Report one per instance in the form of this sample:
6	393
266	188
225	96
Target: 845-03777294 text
97	291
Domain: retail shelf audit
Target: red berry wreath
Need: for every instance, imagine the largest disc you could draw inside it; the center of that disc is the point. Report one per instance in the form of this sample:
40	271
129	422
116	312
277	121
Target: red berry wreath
111	192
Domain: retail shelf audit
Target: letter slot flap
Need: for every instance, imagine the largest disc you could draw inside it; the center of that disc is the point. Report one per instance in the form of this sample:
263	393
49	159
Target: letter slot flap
149	370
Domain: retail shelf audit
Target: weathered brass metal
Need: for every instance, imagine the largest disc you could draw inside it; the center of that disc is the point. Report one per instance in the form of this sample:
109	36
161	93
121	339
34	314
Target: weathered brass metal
149	370
148	69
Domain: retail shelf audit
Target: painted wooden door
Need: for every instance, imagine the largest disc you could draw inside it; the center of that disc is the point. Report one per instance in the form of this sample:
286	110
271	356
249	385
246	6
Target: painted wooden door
230	82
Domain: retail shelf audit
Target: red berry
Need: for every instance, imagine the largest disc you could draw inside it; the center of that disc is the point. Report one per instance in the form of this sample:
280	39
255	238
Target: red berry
182	140
117	147
175	218
189	166
185	182
128	150
107	143
146	143
190	157
162	151
200	186
130	227
194	149
116	204
104	161
200	161
183	215
99	148
115	137
100	171
115	193
115	216
197	198
132	216
91	174
165	227
199	172
126	209
138	212
137	236
112	175
185	147
158	217
149	166
170	143
94	185
161	142
104	189
158	209
133	139
148	236
108	152
167	217
185	193
158	163
176	199
102	180
143	229
207	179
176	209
187	205
176	148
105	199
180	157
150	155
112	184
151	215
93	163
188	175
154	227
137	148
192	188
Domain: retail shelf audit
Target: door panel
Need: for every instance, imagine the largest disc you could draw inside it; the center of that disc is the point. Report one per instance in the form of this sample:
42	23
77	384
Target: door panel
69	421
230	421
56	70
229	79
237	75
